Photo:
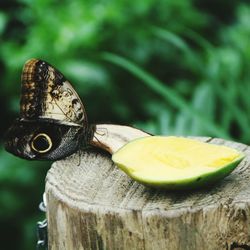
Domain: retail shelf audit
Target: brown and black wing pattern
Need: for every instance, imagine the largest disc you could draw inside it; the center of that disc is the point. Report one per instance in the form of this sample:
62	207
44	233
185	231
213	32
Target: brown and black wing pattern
47	94
53	122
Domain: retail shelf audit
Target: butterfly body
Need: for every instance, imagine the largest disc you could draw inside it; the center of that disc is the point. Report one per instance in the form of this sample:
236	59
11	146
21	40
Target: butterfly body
53	122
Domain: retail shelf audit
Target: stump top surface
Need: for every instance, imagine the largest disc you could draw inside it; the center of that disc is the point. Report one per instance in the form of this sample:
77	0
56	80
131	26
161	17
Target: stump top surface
91	179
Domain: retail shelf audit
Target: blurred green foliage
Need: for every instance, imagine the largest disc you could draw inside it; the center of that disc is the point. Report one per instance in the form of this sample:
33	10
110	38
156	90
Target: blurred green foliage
166	66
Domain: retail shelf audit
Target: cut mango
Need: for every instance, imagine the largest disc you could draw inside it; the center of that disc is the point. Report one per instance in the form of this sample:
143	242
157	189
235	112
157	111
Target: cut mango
176	162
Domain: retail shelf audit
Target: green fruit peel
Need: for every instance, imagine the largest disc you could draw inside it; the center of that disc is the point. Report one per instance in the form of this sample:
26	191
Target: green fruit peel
176	162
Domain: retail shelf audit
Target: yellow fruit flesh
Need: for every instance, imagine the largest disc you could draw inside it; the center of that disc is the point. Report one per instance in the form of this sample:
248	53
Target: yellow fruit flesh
168	159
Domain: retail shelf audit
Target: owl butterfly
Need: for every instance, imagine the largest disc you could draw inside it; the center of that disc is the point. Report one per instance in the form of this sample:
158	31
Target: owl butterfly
53	122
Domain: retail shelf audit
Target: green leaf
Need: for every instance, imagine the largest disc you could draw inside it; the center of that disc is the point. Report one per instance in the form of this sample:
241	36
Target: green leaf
166	93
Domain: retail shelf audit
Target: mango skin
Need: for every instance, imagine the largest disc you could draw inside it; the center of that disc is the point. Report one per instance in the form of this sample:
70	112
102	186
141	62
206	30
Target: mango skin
204	180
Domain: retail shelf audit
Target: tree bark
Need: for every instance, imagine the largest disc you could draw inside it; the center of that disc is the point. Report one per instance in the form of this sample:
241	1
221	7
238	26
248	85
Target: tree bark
91	204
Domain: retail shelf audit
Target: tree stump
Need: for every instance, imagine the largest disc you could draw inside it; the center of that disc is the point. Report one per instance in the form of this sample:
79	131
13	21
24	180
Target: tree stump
91	204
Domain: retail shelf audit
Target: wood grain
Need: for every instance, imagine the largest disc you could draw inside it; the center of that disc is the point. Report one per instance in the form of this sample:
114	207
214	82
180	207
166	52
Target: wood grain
94	205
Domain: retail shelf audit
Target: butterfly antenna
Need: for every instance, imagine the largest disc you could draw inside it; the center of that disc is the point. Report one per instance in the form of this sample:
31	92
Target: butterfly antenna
97	139
98	132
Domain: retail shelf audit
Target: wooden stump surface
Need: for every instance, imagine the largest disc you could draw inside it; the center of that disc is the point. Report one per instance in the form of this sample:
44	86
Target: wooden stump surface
91	204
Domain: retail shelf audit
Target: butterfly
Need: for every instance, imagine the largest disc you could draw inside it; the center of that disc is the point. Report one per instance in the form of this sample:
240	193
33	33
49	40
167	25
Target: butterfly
52	123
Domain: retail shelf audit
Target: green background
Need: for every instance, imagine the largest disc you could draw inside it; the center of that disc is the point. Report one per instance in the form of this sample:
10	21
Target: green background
167	66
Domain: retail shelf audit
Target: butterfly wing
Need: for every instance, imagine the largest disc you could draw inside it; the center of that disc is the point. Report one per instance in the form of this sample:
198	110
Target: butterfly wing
41	140
53	122
47	94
